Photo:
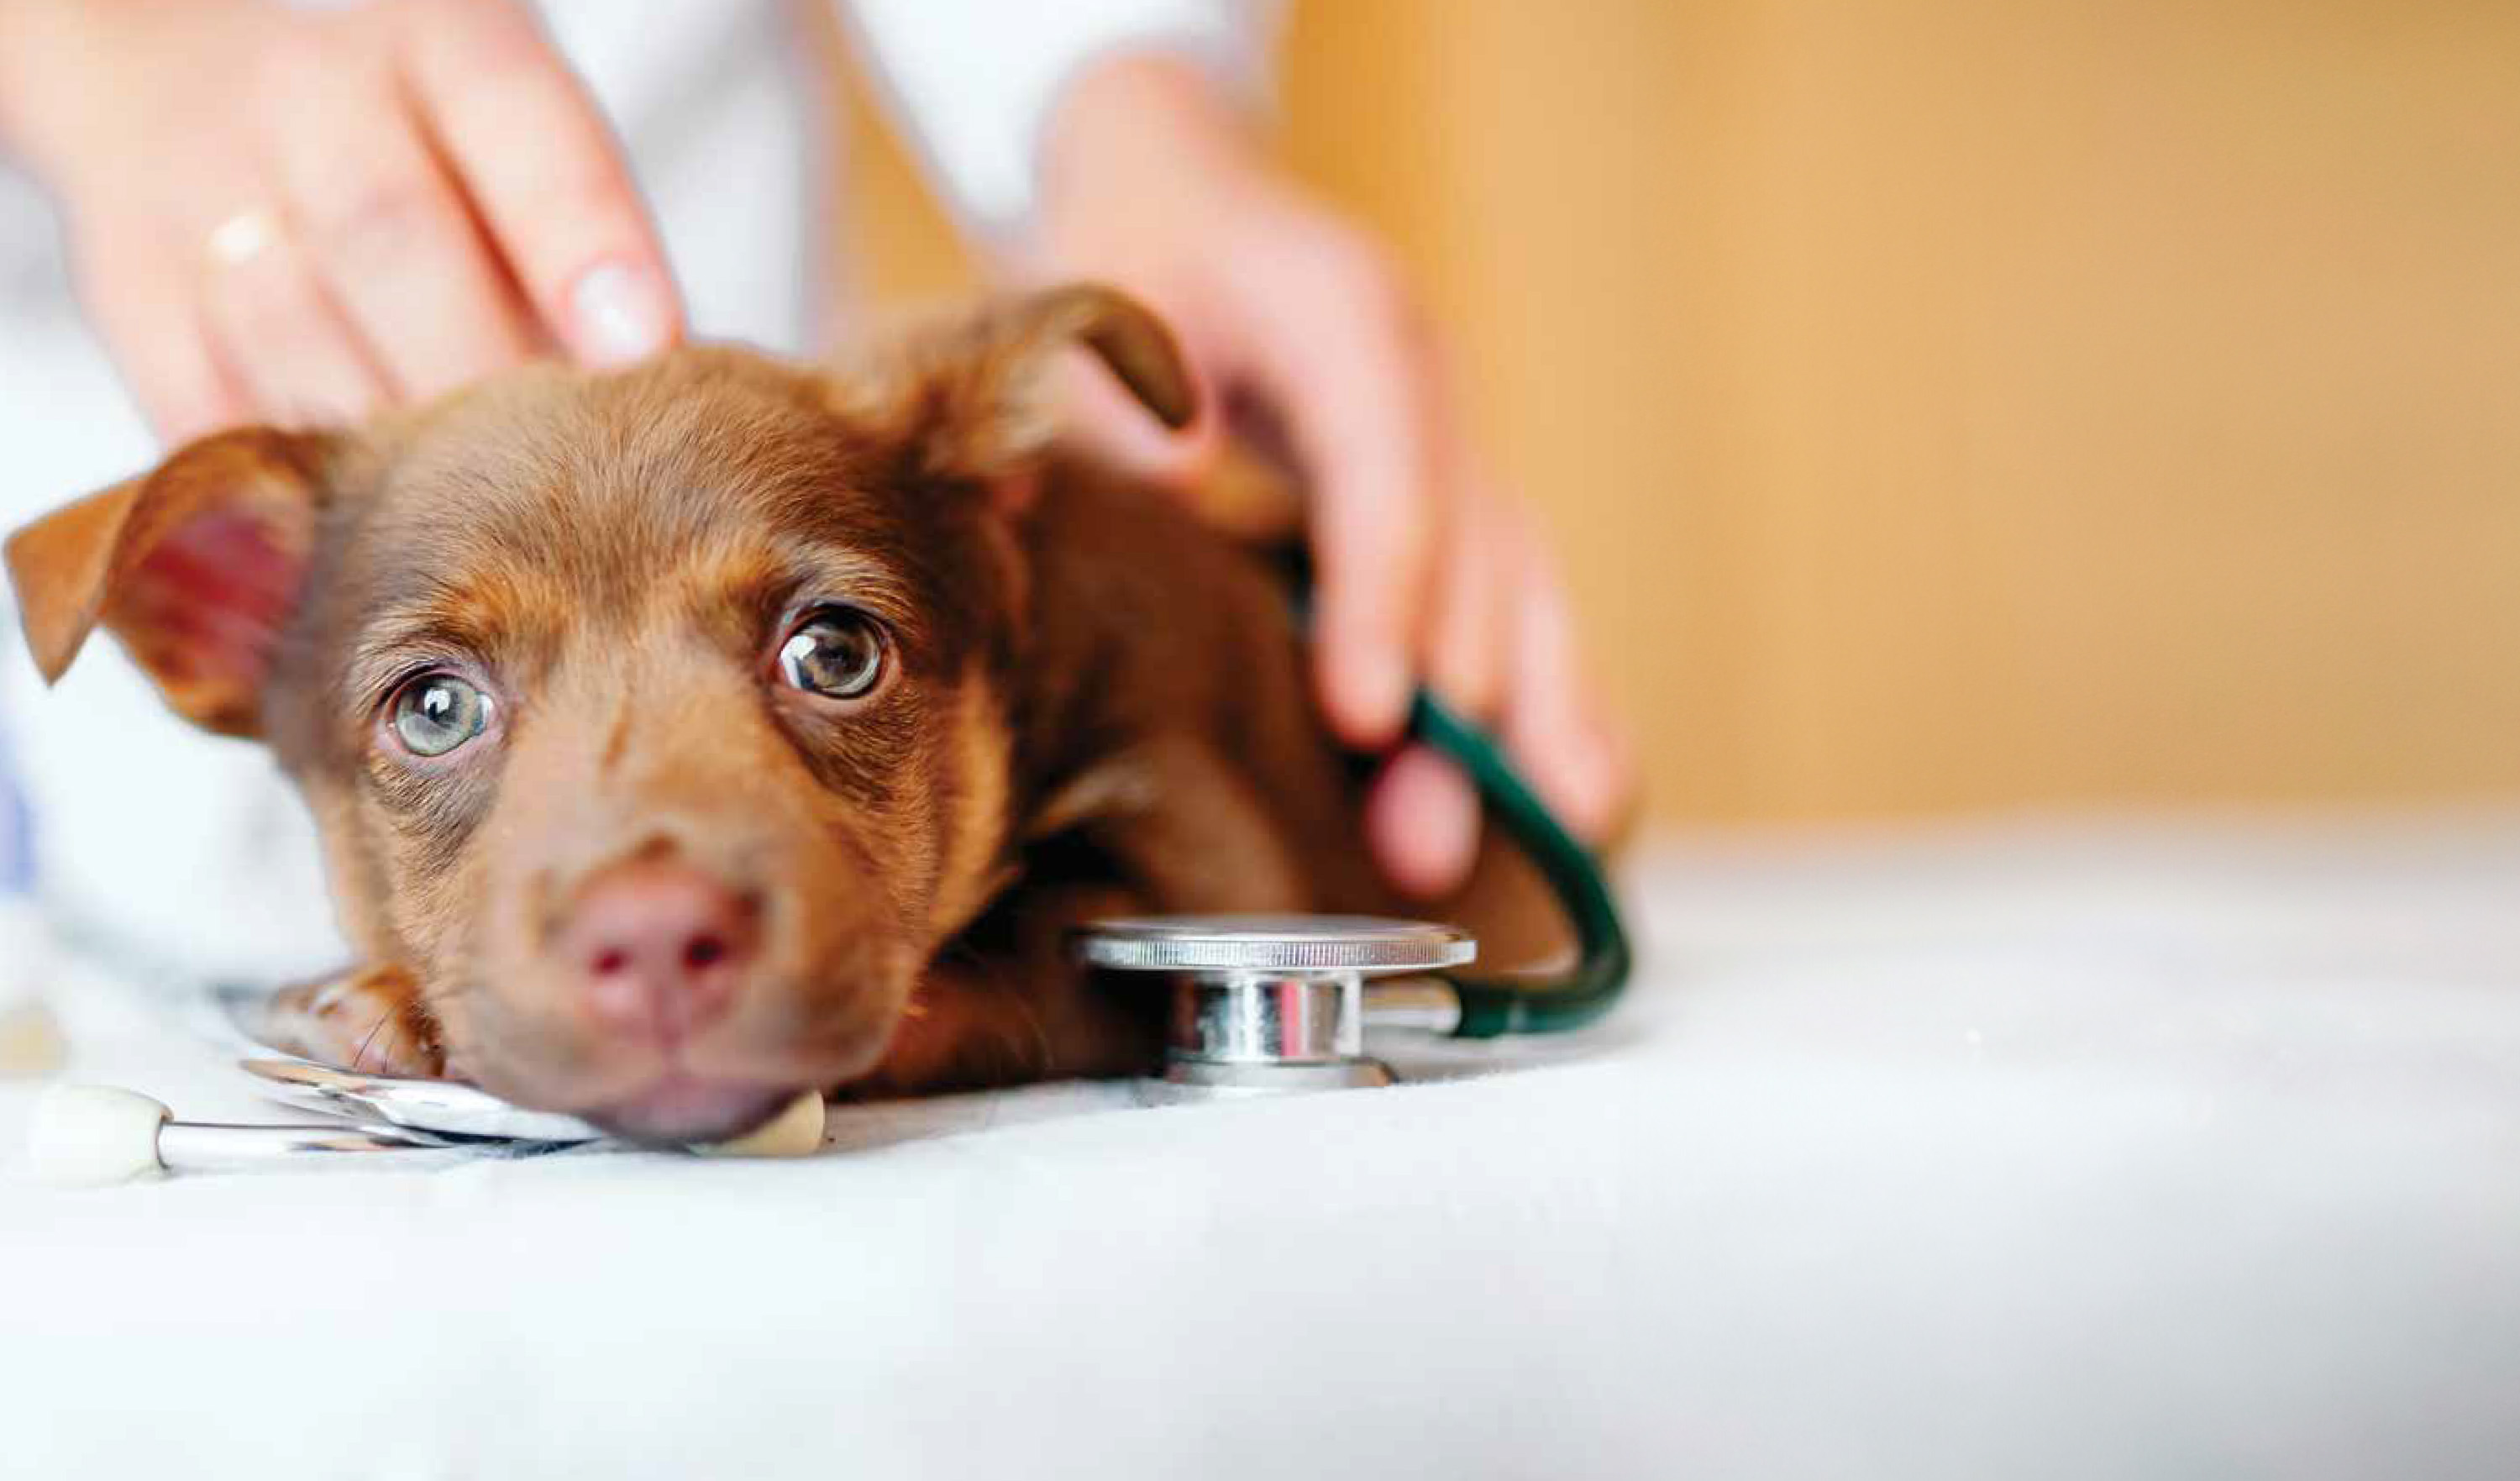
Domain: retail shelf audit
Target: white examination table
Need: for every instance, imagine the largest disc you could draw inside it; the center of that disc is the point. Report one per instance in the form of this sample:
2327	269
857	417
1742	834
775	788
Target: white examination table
2055	1150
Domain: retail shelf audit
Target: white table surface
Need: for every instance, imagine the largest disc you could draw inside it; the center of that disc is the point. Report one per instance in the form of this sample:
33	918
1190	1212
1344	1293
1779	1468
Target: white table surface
2038	1148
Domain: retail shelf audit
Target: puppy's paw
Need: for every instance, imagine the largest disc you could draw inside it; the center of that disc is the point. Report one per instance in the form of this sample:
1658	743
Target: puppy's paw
369	1021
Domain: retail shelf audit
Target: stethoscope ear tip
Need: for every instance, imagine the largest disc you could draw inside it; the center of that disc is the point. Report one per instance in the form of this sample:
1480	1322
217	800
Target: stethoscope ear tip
92	1136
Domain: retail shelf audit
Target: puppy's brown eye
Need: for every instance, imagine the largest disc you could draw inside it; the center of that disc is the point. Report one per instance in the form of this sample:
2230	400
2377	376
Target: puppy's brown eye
836	652
435	713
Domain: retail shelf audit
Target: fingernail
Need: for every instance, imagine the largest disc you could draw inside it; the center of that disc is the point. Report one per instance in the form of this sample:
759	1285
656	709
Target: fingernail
1452	825
1424	820
620	315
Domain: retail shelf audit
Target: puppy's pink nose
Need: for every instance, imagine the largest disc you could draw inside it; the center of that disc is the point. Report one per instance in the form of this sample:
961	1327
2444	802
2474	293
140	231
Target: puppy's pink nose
657	950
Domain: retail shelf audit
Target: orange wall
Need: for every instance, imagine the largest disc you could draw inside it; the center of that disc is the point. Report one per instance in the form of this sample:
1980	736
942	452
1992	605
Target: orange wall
1944	405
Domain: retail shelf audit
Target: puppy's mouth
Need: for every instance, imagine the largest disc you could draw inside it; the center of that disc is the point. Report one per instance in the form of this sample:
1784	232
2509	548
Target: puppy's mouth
680	1109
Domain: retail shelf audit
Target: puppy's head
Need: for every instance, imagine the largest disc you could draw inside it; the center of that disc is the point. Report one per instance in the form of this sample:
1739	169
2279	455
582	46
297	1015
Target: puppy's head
649	719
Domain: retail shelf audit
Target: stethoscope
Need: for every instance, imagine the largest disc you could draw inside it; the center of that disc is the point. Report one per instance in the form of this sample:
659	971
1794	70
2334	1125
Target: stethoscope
1261	1005
1264	1004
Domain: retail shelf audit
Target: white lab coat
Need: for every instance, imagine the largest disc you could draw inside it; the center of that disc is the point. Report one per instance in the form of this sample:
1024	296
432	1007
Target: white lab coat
189	852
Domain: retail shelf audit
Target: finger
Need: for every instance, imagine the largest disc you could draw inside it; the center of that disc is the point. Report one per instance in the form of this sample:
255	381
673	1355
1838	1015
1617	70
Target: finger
395	241
278	331
148	318
1336	353
1424	823
1469	640
1616	753
538	161
1421	820
1554	729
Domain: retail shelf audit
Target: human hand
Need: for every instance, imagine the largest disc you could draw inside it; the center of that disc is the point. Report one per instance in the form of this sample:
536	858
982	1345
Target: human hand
303	216
1423	570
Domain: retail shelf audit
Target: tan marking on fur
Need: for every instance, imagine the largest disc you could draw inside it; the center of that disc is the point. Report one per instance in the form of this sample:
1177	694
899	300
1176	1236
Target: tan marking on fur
1123	784
843	575
1247	497
974	871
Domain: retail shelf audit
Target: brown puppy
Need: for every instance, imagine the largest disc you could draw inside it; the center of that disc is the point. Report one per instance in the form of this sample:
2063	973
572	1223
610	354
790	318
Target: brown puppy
685	737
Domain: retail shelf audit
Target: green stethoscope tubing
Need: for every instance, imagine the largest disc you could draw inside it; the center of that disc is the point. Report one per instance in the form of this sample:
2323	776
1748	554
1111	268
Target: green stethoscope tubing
1495	1006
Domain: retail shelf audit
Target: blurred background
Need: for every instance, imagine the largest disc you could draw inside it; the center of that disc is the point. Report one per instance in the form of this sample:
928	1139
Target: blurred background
1948	406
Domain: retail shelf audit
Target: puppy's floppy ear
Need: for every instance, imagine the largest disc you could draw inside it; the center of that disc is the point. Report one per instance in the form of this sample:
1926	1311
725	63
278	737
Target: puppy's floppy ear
195	567
975	398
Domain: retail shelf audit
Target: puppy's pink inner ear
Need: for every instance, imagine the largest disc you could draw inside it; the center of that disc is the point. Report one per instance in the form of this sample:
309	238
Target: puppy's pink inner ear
204	607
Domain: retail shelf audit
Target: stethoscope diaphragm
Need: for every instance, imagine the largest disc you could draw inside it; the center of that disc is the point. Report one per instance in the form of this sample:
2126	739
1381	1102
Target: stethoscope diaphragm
1269	1004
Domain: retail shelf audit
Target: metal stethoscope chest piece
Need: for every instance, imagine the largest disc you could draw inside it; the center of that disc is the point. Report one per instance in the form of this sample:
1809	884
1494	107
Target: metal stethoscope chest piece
1271	1002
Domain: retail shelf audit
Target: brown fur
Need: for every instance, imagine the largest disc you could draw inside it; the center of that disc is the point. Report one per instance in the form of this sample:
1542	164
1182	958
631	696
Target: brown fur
1097	702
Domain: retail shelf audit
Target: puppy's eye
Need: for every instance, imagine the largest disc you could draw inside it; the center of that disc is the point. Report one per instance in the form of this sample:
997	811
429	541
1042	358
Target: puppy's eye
435	713
836	652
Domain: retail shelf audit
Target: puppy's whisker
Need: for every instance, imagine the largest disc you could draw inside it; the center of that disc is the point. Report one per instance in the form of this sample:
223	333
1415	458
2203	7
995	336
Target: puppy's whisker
1029	1049
360	1058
